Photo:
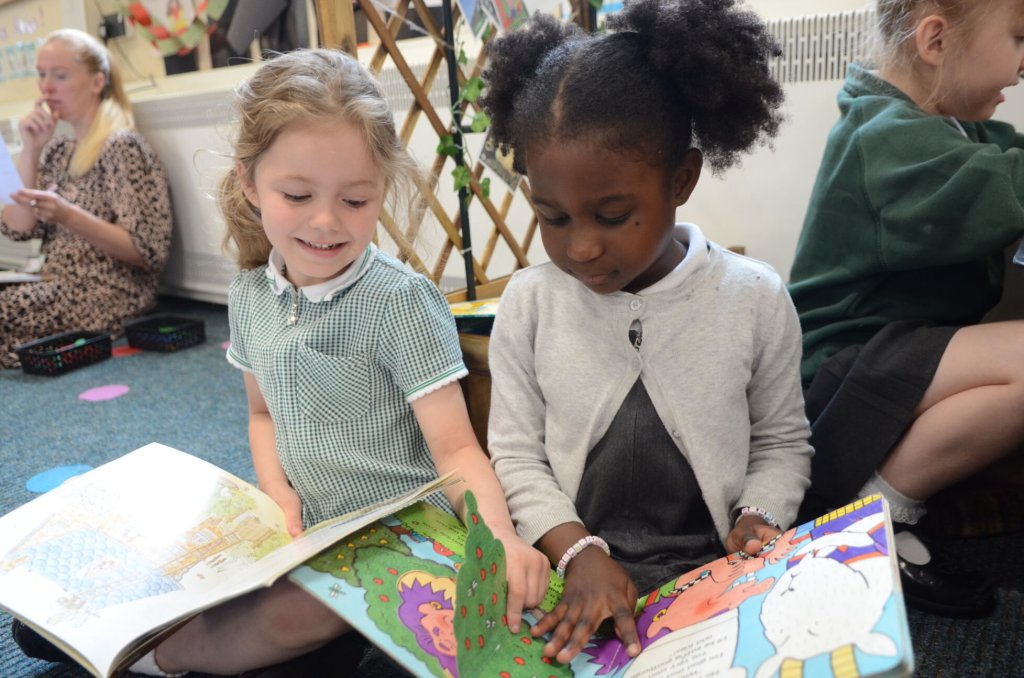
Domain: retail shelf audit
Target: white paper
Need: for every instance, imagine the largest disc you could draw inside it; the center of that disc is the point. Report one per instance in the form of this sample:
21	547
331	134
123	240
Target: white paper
7	277
10	180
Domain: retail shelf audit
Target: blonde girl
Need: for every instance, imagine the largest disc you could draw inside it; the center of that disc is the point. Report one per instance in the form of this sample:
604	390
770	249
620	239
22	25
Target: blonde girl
918	195
350	360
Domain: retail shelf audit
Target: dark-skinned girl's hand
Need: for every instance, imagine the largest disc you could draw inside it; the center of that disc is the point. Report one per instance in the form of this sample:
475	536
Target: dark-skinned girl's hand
596	589
750	535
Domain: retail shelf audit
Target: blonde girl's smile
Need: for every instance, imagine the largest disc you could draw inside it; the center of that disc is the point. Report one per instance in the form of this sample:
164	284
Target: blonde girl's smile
319	194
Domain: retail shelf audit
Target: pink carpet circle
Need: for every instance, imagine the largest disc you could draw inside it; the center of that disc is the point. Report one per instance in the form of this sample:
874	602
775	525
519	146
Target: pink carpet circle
226	345
95	395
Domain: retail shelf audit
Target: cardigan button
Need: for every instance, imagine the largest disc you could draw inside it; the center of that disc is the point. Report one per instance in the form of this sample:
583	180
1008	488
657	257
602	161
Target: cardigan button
636	304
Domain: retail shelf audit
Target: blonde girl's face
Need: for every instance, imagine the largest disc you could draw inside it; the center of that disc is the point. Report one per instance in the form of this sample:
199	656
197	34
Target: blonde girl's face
320	194
66	85
991	60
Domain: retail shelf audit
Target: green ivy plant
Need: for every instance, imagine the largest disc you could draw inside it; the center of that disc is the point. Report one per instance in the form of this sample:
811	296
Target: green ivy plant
469	93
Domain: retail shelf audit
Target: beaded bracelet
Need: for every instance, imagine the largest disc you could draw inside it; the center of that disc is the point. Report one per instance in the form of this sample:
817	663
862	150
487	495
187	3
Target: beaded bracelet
766	516
575	549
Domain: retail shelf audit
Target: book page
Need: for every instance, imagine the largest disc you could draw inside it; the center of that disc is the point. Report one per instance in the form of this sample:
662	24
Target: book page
131	546
143	541
10	180
9	277
822	599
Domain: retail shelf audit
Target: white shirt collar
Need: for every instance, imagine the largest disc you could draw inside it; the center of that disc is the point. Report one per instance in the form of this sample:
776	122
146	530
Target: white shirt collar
959	126
696	255
324	291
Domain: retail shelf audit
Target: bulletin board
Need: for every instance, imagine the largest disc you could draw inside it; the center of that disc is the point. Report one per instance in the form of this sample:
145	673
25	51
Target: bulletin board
23	25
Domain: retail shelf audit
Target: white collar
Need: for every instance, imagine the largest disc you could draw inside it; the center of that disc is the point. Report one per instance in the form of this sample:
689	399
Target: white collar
324	291
959	126
696	254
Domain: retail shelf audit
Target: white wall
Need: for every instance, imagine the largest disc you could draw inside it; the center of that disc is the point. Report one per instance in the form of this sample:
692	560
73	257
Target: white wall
761	203
758	205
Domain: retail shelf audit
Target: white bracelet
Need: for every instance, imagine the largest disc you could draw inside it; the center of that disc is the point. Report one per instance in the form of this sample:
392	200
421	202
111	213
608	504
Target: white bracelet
766	516
574	550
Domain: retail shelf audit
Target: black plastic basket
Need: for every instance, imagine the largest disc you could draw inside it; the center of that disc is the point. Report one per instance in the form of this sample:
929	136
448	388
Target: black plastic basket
164	332
60	353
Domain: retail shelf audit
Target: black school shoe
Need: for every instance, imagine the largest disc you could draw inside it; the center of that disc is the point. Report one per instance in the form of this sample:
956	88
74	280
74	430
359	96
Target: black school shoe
35	646
940	586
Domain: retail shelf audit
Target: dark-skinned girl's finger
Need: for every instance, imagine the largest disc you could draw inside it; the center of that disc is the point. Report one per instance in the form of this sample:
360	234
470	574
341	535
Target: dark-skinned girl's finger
549	621
625	629
560	636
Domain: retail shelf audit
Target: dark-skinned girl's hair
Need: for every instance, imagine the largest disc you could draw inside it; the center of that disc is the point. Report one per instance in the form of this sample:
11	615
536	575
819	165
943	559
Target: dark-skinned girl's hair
669	75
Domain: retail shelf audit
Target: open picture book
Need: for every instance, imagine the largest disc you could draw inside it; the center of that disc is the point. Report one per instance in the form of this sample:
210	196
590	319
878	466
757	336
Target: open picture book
822	599
110	561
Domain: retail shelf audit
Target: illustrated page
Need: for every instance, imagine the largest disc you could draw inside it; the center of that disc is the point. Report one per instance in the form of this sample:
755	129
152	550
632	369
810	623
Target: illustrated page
822	599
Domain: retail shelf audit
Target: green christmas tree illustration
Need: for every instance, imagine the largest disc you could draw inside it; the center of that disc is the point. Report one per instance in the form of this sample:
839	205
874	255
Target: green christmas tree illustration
487	648
339	559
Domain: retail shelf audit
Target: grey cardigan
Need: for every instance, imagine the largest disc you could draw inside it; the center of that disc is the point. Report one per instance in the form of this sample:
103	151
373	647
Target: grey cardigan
720	359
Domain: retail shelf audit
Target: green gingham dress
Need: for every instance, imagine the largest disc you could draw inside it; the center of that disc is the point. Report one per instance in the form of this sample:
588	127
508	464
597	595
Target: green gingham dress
339	364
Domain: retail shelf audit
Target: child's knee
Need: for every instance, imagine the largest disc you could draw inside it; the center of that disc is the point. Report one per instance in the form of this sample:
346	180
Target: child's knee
296	619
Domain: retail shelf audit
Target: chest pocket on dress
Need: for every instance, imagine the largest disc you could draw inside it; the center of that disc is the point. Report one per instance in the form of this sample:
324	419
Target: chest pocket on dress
333	388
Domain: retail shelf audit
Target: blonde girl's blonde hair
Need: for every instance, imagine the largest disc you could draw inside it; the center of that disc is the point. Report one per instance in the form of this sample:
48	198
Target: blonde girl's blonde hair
314	87
115	111
896	24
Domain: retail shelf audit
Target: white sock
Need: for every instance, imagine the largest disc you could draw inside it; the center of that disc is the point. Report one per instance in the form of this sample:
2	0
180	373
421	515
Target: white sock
147	666
902	508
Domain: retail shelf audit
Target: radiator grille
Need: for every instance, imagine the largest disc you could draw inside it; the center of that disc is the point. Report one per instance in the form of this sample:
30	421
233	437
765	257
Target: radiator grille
819	47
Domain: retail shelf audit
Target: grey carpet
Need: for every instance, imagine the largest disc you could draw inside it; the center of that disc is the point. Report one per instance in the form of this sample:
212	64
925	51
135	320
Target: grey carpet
194	400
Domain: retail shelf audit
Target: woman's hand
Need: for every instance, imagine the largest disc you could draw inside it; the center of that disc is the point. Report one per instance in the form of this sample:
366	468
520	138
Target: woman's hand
288	499
750	535
596	589
47	206
37	127
529	574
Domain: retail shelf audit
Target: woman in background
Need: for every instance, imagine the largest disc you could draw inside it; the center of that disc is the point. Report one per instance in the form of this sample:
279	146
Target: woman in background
98	199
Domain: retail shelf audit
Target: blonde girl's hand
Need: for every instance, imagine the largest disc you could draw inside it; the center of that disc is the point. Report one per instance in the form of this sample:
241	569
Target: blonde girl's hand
750	535
37	127
529	574
288	499
596	589
47	206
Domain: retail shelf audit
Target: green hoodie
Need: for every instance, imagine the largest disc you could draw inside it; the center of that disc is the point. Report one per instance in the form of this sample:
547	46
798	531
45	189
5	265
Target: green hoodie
908	220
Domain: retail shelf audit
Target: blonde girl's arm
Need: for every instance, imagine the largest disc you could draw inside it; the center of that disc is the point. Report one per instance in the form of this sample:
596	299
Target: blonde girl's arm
270	475
443	418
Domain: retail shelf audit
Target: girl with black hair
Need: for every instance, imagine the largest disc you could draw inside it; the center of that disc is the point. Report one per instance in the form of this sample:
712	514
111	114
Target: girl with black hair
646	397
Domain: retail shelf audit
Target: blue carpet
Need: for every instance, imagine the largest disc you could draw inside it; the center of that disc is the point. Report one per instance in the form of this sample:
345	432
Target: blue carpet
194	400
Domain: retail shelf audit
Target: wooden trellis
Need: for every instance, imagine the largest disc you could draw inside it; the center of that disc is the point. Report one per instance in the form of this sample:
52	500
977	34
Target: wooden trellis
337	29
